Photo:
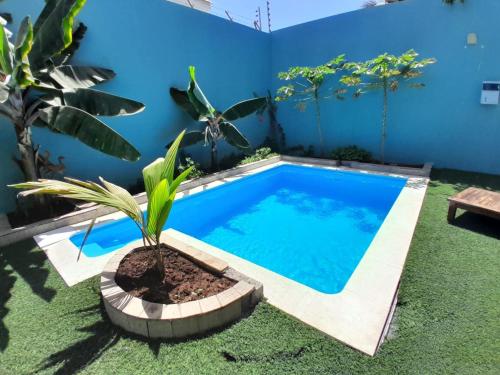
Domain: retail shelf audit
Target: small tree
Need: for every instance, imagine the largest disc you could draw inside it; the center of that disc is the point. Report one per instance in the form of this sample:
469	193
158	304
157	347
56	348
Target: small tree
216	125
385	72
39	86
161	188
306	86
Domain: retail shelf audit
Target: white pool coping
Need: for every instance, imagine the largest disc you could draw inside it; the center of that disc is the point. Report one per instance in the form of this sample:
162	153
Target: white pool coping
356	316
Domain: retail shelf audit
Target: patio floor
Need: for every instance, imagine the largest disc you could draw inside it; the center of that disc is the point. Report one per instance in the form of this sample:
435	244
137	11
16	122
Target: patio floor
446	320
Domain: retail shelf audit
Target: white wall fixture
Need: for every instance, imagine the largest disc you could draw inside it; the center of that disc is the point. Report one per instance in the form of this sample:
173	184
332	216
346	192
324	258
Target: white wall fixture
472	39
491	93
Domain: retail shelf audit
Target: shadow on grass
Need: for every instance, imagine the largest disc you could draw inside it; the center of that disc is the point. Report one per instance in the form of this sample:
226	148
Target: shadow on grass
479	224
7	280
103	336
462	180
27	261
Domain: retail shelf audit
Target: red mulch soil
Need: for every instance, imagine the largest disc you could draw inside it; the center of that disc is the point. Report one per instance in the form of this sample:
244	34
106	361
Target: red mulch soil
184	280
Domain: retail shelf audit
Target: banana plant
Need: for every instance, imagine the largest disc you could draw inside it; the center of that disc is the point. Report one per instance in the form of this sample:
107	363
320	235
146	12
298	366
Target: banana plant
216	125
385	73
161	188
40	87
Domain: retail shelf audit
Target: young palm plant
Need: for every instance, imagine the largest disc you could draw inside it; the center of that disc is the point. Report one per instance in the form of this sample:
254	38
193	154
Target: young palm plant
161	188
307	87
216	125
39	87
385	72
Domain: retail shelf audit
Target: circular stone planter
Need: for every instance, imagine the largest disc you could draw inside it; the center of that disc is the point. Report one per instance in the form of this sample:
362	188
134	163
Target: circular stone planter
154	320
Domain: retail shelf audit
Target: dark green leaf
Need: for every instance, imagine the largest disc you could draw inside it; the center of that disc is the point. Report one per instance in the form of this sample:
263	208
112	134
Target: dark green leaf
53	30
95	102
192	138
89	130
181	99
233	136
244	108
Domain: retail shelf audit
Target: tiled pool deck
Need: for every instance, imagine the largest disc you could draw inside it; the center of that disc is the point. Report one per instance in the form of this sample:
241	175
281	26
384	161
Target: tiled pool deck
356	316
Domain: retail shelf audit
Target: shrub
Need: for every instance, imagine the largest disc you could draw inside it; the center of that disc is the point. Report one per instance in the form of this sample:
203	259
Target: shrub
300	151
196	170
261	154
351	153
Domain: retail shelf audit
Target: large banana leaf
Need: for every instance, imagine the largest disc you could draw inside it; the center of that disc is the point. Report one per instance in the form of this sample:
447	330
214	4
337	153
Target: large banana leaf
197	98
244	108
181	98
24	42
95	102
192	138
5	52
69	76
89	130
53	31
233	136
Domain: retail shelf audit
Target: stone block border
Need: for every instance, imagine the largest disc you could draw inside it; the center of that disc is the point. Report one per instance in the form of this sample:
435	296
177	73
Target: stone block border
178	321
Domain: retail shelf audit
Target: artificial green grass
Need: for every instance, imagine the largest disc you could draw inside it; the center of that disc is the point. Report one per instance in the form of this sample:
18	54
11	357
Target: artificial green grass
447	320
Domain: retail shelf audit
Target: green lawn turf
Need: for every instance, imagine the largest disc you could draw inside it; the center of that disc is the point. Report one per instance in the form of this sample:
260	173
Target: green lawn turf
447	320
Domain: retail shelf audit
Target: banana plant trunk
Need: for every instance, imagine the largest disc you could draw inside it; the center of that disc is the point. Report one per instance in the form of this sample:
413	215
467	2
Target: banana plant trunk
213	153
26	151
384	123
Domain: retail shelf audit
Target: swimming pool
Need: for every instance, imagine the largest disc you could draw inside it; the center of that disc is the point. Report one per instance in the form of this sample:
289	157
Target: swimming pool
311	225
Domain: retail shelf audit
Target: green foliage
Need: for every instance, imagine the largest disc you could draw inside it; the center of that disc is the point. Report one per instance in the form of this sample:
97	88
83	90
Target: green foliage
41	87
276	138
385	72
451	2
300	150
351	153
189	163
159	181
305	86
216	125
260	154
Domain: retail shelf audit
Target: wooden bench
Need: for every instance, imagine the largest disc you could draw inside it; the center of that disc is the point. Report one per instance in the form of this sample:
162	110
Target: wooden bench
479	201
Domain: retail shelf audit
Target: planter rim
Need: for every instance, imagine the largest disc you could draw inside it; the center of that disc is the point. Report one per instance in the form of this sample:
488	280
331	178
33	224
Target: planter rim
135	307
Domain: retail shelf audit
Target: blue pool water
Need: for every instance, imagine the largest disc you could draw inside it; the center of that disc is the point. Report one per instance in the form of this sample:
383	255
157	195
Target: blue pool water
311	225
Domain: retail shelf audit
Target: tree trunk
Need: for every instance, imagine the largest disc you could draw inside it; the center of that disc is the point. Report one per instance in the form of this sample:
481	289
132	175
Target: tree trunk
214	162
26	151
318	123
384	124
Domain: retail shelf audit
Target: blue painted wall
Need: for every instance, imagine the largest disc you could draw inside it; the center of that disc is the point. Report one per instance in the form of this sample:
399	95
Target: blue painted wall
443	123
150	45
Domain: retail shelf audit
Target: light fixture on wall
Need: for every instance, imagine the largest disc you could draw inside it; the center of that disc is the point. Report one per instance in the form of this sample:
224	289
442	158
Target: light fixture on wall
472	39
